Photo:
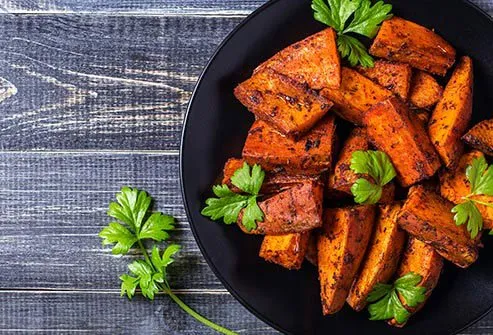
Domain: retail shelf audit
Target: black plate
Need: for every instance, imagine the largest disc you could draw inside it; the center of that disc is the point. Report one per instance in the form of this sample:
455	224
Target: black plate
215	129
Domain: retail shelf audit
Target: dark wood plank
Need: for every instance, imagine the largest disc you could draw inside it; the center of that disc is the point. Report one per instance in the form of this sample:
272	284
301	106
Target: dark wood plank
108	313
54	205
86	82
216	7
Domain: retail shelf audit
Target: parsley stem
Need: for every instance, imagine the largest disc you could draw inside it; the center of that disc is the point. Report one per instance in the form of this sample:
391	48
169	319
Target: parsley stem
481	202
180	303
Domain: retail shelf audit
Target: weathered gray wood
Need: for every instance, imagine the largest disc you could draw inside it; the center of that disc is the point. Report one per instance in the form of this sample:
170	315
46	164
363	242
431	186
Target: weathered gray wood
216	7
54	205
107	313
117	82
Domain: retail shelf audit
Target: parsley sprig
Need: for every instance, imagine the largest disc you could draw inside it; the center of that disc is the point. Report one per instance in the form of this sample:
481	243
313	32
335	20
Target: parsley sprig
134	225
378	166
385	300
480	176
366	21
229	204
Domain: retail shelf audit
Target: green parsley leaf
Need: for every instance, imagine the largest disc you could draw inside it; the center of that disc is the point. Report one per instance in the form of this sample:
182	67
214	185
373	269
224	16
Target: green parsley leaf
377	165
116	233
365	192
378	292
354	51
228	204
129	284
407	287
366	21
131	207
467	212
368	18
385	300
249	181
480	176
156	226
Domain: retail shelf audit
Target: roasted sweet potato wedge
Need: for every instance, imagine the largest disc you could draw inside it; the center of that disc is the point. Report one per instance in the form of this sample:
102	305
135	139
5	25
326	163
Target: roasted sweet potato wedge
282	102
273	183
343	178
423	260
425	90
407	42
311	154
295	210
480	137
454	185
355	96
382	257
313	61
285	250
392	129
428	217
396	77
341	248
451	116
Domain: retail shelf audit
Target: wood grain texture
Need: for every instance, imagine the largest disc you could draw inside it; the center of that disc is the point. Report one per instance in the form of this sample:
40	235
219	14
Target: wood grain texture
75	92
181	7
108	313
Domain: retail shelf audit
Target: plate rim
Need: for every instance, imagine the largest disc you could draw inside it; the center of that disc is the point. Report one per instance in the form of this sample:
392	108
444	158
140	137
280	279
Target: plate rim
196	236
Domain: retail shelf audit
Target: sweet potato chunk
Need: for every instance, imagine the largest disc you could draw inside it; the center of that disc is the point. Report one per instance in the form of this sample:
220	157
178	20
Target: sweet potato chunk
285	250
273	183
311	154
341	248
295	210
451	116
423	260
313	61
425	90
396	77
393	130
382	257
343	177
428	217
454	185
481	137
407	42
355	96
282	102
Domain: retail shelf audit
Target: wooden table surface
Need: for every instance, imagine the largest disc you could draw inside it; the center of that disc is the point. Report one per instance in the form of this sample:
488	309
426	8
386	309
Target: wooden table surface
101	90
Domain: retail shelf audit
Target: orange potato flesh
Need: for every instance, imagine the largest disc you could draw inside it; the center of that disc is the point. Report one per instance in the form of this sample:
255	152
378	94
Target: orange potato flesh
310	155
355	96
452	114
407	42
425	91
396	77
394	130
382	258
480	137
428	217
313	61
285	250
341	248
295	210
288	106
423	260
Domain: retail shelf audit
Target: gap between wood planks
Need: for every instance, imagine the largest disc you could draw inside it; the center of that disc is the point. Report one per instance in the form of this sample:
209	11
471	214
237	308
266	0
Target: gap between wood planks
92	152
37	290
218	14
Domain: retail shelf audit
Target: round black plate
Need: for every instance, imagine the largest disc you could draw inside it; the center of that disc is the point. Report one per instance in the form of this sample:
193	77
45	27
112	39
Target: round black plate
215	129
